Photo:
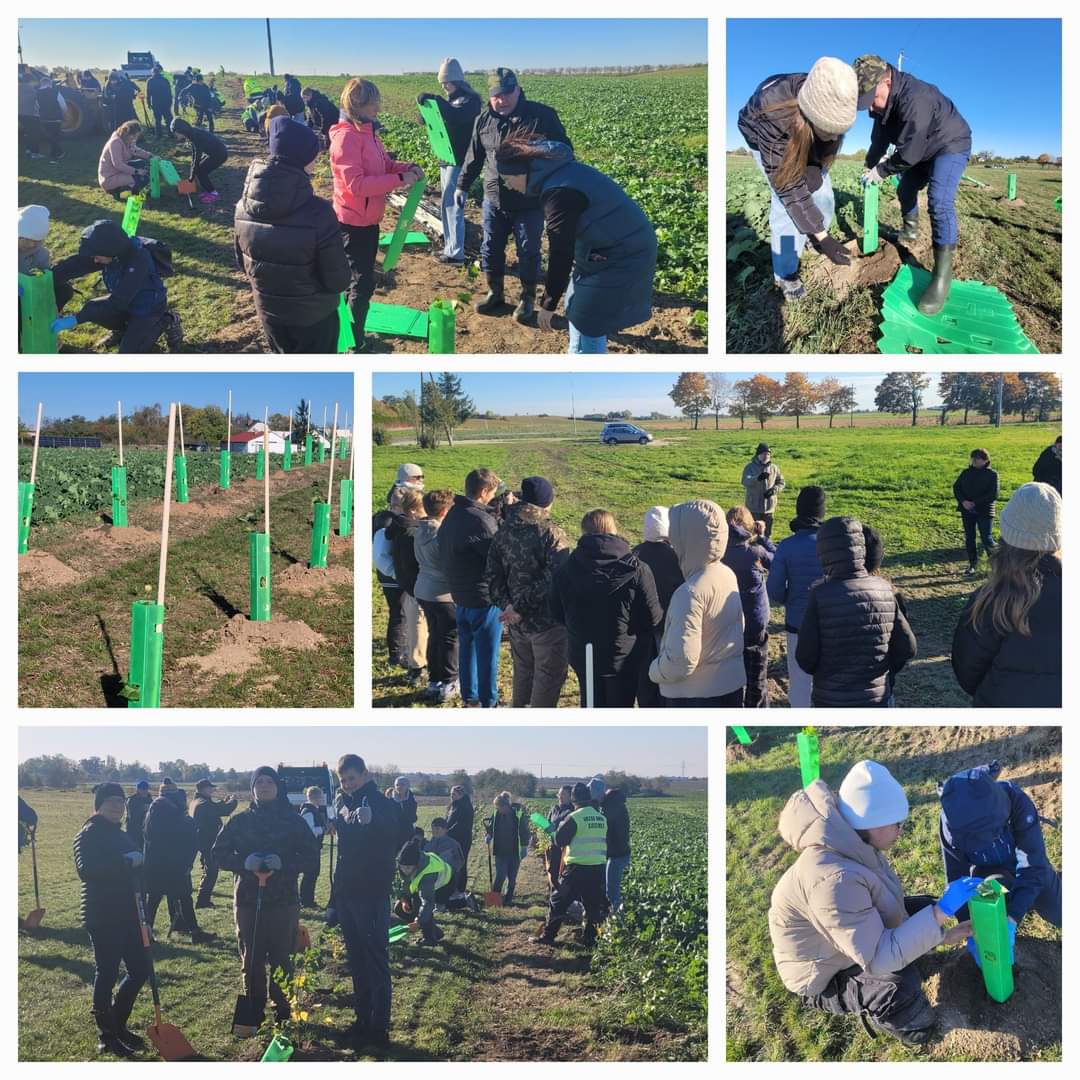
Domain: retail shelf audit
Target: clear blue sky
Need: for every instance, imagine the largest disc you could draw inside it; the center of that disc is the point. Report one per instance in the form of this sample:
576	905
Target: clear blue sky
646	751
365	46
1004	75
531	393
94	394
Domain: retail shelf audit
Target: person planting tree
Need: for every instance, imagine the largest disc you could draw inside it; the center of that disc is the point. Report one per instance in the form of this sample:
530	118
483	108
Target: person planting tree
425	874
976	491
208	152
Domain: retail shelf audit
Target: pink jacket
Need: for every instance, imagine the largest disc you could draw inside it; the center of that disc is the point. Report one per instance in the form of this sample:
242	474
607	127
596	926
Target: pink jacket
113	170
363	173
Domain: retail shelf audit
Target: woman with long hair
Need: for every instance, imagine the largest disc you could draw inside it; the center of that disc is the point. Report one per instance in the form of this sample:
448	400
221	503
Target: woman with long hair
121	167
794	126
1007	647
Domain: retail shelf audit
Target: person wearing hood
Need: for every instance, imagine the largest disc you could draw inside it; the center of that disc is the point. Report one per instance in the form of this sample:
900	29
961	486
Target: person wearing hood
794	126
208	816
208	152
425	874
795	567
845	937
135	308
108	863
699	661
874	560
268	838
991	828
409	476
1006	650
853	635
364	174
34	255
749	555
159	95
121	165
763	481
464	538
432	592
202	97
507	210
656	552
506	834
932	144
613	807
976	491
169	846
288	243
601	246
119	95
523	557
459	110
605	597
322	113
135	814
460	816
1047	467
400	535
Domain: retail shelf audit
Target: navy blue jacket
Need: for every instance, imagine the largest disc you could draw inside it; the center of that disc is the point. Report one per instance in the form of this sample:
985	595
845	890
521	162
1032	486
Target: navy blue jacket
795	567
750	560
464	538
159	92
367	853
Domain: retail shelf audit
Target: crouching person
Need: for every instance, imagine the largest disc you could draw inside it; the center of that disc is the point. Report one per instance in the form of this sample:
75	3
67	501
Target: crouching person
449	850
845	937
427	874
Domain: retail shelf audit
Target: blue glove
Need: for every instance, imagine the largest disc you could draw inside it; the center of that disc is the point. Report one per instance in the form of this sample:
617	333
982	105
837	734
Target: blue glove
974	949
65	322
958	894
272	862
459	198
134	858
20	292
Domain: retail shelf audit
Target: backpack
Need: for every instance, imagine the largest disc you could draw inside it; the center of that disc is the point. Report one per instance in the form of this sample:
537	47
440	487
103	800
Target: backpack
161	253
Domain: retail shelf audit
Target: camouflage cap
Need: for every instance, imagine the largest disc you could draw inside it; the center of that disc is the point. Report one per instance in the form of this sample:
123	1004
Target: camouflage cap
869	70
502	81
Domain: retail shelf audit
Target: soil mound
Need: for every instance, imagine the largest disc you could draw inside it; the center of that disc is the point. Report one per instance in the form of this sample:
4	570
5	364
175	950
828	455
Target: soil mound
304	581
40	570
241	641
876	269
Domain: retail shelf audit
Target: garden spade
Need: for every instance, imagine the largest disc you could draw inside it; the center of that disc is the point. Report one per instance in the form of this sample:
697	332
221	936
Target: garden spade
492	898
33	919
303	939
248	1014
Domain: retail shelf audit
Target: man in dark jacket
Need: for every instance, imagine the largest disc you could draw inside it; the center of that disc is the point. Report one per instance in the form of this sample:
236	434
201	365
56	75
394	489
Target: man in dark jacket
1047	468
402	797
51	117
932	145
159	94
169	848
107	865
368	826
562	809
288	242
507	211
460	816
137	806
464	538
314	814
208	816
506	833
524	555
294	100
976	491
208	153
203	99
613	807
322	113
853	634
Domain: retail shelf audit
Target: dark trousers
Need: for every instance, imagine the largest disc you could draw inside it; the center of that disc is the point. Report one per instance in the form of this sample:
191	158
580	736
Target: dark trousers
461	877
207	164
204	114
396	635
51	131
178	904
768	519
30	133
734	700
442	642
756	663
162	119
361	247
613	690
320	337
209	878
365	924
273	947
307	883
113	945
984	522
139	333
648	692
584	883
527	226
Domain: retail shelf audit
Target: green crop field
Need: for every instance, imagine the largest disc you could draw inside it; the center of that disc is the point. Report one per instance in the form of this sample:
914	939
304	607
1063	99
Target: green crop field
484	994
765	1021
1015	247
897	479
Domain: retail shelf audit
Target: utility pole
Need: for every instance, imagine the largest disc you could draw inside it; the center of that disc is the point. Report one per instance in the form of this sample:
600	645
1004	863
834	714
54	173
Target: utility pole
899	60
1000	394
851	419
20	45
573	410
270	46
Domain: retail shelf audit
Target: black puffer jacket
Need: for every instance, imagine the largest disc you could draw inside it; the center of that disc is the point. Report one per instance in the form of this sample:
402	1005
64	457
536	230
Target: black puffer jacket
208	816
460	816
323	114
1010	670
159	91
979	486
107	893
613	807
1047	469
464	538
853	634
288	242
170	846
401	532
605	595
659	556
137	806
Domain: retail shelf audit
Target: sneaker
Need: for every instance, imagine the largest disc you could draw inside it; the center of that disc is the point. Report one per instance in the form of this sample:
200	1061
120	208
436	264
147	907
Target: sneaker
447	260
448	691
432	691
174	332
541	939
971	571
208	197
790	288
417	676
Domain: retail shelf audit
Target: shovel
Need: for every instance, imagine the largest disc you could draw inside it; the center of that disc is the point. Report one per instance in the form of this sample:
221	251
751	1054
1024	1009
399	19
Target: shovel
303	939
167	1039
492	898
248	1014
33	919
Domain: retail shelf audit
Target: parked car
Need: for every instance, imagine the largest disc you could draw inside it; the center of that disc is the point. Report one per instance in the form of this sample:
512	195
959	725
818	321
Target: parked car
622	432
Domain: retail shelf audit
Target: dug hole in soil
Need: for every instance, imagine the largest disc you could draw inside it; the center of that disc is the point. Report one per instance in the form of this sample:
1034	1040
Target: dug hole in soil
40	570
876	269
241	640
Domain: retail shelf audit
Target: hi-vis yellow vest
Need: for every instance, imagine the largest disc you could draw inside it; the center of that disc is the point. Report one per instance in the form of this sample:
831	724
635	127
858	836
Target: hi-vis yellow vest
589	845
435	865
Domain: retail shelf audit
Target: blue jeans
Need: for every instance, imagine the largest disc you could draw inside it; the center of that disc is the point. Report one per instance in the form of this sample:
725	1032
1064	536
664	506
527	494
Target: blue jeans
579	342
527	227
943	174
479	635
365	924
453	217
616	868
786	241
506	869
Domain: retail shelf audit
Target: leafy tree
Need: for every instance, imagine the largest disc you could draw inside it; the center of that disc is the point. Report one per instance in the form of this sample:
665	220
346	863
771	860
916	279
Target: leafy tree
799	396
739	403
765	399
691	394
719	395
901	391
1041	394
959	390
835	397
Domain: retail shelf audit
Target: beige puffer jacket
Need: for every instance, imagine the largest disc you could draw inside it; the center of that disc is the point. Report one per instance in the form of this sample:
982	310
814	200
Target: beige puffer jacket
841	902
700	654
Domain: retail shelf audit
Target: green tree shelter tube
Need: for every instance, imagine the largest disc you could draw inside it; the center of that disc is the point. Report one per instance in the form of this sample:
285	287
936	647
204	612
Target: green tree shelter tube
870	219
441	327
809	756
320	536
260	577
26	512
398	933
37	309
1012	186
309	442
225	470
155	178
143	689
280	1049
345	507
742	736
286	457
990	924
397	240
132	212
260	465
119	496
180	464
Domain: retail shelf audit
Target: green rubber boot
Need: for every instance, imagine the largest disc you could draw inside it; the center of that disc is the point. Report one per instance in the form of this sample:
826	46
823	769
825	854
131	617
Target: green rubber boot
494	299
526	309
937	292
910	232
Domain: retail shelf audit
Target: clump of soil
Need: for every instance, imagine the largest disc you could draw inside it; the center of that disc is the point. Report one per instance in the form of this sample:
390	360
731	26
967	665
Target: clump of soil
111	537
40	570
305	581
240	642
876	269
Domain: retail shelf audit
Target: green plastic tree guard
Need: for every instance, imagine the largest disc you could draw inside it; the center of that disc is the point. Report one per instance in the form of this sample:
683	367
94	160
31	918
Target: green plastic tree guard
396	319
168	172
37	306
155	178
260	465
398	933
320	451
1057	202
309	442
411	239
147	646
972	180
989	921
809	756
437	134
742	735
870	221
894	180
540	822
343	449
286	457
26	512
441	327
280	1049
132	212
225	470
119	495
260	577
1012	186
346	338
397	241
320	536
180	468
344	527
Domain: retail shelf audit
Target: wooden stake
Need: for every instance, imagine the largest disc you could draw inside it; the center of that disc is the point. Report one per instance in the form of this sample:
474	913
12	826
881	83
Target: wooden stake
166	504
180	418
352	457
290	425
120	429
266	469
37	438
333	440
228	425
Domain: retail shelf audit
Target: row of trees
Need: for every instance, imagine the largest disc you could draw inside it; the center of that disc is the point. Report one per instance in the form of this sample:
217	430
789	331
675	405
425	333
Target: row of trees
761	397
1032	395
437	413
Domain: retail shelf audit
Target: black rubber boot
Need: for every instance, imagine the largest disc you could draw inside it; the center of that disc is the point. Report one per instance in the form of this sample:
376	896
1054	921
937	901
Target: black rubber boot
494	299
174	332
937	292
910	232
121	1012
109	1041
526	309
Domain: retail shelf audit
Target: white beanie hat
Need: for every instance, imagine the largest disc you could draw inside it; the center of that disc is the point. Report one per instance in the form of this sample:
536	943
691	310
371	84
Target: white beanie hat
829	96
409	475
870	797
33	222
450	71
1031	519
656	523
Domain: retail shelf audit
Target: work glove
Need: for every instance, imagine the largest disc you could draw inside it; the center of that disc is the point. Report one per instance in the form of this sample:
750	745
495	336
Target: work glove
872	176
763	475
134	859
974	949
421	98
770	492
254	862
828	246
362	814
459	198
271	862
958	894
544	318
64	322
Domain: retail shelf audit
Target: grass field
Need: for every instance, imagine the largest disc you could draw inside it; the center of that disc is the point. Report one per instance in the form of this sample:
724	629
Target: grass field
1015	247
897	479
766	1022
484	994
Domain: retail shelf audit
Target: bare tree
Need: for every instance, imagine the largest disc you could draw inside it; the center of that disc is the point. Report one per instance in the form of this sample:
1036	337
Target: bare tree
719	395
